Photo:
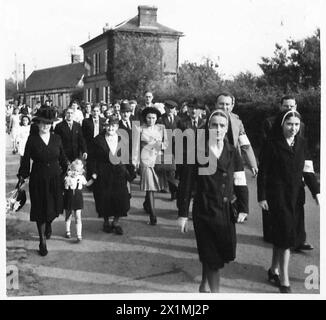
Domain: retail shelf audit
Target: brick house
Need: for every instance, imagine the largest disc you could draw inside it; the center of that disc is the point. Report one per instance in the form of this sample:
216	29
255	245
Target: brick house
99	51
56	83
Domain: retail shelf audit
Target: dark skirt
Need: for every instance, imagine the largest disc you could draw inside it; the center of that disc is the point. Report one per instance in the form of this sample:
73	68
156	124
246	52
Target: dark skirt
73	199
46	194
215	236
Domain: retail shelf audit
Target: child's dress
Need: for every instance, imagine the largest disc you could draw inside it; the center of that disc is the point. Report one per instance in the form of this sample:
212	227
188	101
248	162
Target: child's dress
73	197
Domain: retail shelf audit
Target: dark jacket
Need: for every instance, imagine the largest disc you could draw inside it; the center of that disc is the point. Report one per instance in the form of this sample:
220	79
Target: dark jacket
46	176
279	181
110	188
72	140
88	131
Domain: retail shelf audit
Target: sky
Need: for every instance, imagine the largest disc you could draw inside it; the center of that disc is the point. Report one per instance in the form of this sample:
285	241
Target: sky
234	33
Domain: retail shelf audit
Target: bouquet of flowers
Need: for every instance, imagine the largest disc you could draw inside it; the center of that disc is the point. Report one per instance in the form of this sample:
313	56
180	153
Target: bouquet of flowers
15	200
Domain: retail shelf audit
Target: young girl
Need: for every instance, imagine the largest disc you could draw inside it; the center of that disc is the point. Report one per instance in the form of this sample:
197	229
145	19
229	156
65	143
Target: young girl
73	197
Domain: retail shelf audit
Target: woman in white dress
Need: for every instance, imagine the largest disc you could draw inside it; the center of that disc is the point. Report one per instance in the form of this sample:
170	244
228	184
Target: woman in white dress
23	133
153	140
14	128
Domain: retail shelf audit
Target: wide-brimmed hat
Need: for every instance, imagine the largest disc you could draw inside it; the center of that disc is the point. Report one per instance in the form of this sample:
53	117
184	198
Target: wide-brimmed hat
111	120
148	110
125	107
46	115
170	104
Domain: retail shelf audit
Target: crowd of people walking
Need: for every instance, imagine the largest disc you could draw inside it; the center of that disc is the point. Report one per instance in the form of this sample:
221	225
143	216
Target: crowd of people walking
104	147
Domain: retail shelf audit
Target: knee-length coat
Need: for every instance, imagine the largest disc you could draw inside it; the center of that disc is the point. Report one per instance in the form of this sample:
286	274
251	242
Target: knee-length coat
46	176
110	190
213	222
279	182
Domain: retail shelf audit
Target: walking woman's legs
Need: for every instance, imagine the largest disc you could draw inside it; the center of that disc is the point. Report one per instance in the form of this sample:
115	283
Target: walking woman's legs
213	277
203	287
41	231
275	260
284	266
152	216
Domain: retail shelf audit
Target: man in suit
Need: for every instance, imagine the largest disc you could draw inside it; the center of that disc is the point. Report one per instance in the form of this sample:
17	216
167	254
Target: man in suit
126	121
236	134
171	121
185	171
288	103
72	137
91	127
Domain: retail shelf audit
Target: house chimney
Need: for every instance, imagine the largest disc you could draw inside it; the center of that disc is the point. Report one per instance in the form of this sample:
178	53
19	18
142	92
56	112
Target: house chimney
147	16
106	27
75	58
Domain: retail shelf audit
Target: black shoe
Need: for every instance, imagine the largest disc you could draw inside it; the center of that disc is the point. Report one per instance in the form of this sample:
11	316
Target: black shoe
285	289
273	278
48	231
43	250
152	220
303	247
117	230
107	227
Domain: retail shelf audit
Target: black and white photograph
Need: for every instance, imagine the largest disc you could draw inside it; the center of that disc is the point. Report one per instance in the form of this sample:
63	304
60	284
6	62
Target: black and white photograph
156	149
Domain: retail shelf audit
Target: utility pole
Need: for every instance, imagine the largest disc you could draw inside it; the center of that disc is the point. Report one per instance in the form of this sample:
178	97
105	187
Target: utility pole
16	73
24	79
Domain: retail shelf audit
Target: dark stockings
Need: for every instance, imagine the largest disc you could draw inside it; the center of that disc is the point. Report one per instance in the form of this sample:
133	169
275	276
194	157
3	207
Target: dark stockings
41	232
212	276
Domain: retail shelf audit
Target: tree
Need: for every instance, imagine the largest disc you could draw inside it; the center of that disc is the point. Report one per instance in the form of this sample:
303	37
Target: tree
136	64
295	66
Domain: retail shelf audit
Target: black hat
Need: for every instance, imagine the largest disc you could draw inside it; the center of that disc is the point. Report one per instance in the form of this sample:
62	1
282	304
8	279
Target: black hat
170	104
125	107
111	120
148	110
45	114
196	104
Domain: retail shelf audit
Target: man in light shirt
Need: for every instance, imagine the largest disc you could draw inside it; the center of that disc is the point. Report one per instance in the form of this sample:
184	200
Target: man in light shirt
78	115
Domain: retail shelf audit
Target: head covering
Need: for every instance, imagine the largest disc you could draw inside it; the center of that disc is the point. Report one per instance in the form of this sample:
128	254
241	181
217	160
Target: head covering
46	115
170	104
196	104
148	110
277	128
217	112
125	107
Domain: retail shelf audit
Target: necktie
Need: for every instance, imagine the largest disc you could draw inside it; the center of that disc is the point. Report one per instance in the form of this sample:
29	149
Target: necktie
70	125
170	118
128	125
195	124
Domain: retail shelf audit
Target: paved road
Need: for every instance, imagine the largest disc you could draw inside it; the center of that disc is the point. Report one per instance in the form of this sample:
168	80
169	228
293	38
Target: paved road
146	259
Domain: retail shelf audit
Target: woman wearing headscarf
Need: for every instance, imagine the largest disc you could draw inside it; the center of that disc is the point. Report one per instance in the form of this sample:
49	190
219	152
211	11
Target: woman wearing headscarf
46	177
221	186
284	162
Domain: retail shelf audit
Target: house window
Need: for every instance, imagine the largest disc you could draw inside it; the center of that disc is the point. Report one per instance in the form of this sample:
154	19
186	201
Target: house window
106	94
96	63
97	94
106	60
89	95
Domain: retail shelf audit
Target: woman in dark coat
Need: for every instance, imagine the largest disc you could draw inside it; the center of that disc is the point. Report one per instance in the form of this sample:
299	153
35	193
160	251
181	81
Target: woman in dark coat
46	177
284	161
110	190
217	185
